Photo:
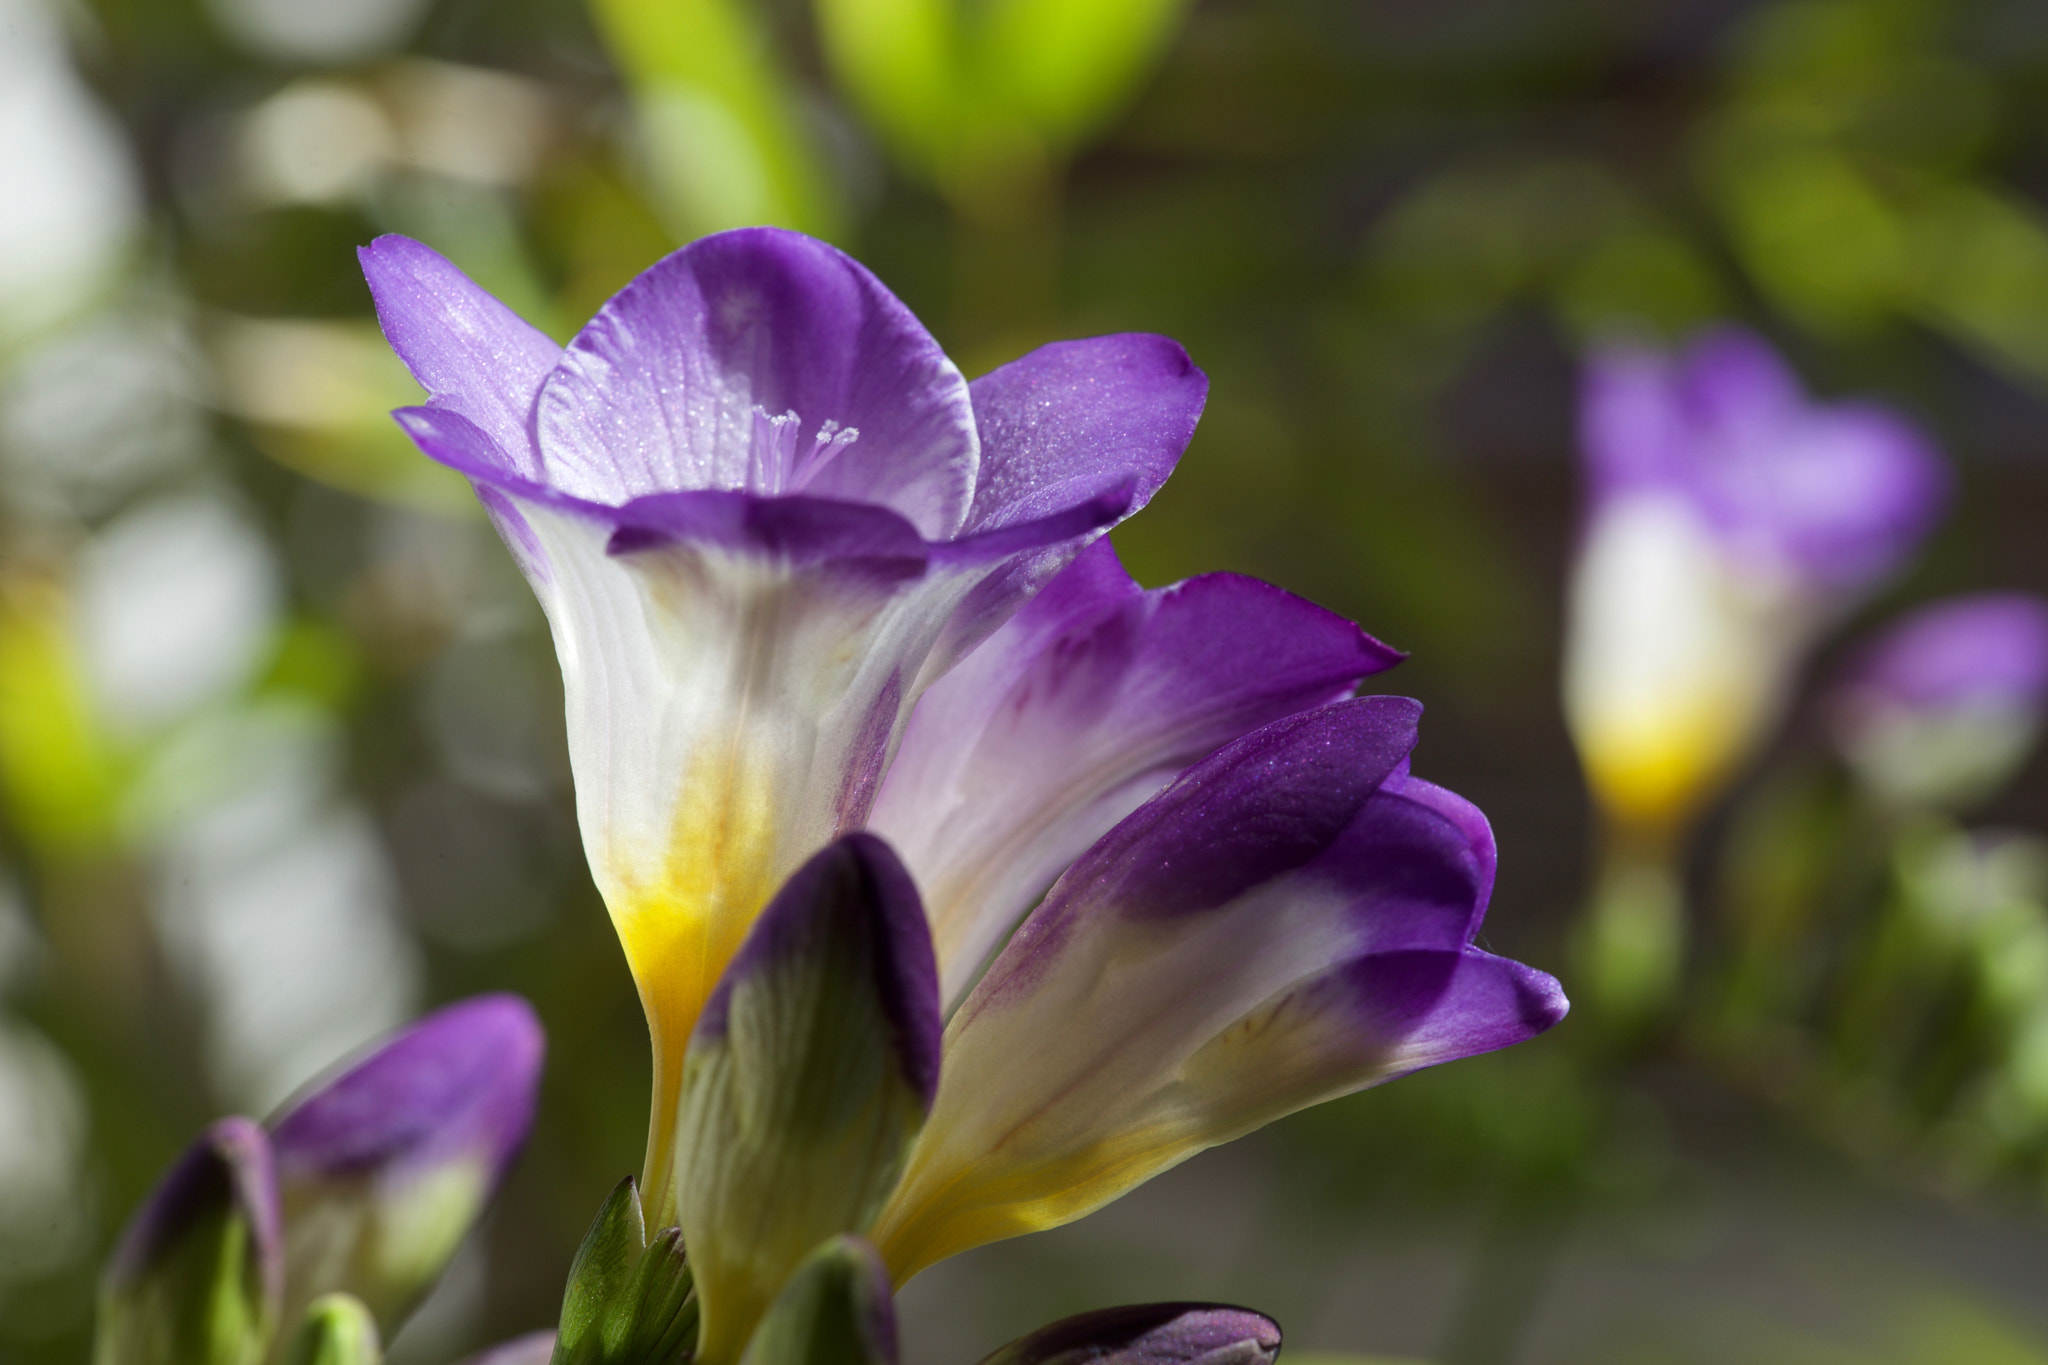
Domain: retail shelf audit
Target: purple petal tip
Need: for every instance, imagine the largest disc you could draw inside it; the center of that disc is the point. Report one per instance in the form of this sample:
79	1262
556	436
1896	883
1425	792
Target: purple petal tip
855	899
458	1085
231	1164
1150	1334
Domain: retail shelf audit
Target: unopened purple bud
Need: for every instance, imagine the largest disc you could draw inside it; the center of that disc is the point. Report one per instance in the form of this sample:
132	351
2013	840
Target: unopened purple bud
1150	1334
1942	707
198	1274
535	1348
384	1168
808	1078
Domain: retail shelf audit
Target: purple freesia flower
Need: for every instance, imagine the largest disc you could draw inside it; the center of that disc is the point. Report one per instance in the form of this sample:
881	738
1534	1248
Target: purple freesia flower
1944	706
1289	920
384	1167
1729	519
763	512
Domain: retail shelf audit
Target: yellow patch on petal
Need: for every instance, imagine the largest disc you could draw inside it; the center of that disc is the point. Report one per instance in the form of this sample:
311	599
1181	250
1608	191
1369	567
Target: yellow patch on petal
681	930
991	1200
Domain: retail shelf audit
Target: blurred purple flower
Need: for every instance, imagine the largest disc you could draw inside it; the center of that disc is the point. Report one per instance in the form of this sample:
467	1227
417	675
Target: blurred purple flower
1729	519
1943	706
763	512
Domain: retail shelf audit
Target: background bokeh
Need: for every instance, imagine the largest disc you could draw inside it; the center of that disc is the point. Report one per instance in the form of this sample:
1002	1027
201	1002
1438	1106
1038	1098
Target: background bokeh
281	760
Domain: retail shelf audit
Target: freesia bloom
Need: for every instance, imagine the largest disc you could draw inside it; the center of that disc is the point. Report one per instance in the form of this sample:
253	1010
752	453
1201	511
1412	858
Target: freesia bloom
763	512
1944	705
1729	519
766	517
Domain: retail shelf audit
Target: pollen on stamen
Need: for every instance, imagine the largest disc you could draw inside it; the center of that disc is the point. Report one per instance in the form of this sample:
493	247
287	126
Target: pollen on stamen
771	457
825	447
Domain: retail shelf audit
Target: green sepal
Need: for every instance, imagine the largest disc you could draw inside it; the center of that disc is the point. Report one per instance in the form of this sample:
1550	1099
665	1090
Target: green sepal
835	1310
628	1300
337	1330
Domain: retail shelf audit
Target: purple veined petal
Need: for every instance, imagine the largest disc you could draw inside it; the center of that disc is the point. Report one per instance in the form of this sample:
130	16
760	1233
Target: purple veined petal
685	381
1073	426
1086	703
229	1170
1149	1334
384	1167
1260	937
1077	417
535	1348
472	353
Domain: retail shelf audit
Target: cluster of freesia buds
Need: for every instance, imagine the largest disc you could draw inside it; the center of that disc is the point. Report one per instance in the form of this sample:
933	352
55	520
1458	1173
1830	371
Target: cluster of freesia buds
852	680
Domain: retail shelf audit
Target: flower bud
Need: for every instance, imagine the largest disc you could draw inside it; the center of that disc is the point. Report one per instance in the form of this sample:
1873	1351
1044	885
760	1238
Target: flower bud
1150	1334
197	1275
384	1168
836	1310
337	1330
1943	708
809	1075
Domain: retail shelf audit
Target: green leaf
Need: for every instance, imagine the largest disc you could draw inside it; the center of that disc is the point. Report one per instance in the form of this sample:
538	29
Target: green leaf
337	1330
628	1301
1064	67
835	1310
721	125
970	99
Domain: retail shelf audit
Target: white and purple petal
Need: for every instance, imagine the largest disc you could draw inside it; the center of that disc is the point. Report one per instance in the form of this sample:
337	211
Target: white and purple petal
1288	921
1084	704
